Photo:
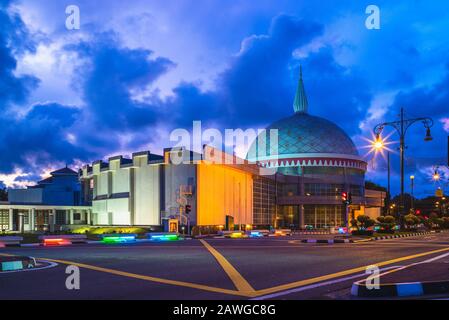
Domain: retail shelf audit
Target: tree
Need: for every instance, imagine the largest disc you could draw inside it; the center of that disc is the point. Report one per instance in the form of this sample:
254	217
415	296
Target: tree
3	194
373	186
407	202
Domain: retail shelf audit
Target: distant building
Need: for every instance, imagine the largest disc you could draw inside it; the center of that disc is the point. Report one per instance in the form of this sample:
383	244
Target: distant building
52	203
61	188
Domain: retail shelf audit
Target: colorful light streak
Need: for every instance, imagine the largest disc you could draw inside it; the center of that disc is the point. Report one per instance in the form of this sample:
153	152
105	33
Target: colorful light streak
236	235
164	237
118	239
56	242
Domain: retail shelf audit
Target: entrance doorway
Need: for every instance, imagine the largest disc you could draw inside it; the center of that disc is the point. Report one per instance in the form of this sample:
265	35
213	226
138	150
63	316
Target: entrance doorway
42	219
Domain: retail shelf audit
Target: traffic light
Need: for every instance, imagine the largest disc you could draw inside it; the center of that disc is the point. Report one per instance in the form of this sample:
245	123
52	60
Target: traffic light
346	198
188	208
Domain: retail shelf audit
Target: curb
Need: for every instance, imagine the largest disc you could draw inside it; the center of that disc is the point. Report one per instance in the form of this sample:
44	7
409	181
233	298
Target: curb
12	263
312	233
328	241
332	241
401	289
401	236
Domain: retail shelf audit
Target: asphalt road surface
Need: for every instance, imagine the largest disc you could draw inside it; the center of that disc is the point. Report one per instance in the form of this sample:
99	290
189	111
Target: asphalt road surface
266	268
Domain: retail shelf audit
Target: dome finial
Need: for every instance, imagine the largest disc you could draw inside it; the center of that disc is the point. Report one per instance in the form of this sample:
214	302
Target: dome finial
300	105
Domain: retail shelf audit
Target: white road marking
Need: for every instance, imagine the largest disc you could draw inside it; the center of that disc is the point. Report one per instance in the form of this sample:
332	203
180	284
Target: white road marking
317	285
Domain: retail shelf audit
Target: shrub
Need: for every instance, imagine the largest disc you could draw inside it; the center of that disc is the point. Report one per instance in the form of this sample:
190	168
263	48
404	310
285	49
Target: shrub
82	230
362	222
365	222
411	220
389	219
105	230
386	224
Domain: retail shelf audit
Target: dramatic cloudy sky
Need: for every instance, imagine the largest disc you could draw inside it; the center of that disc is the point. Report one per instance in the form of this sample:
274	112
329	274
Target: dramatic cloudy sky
138	69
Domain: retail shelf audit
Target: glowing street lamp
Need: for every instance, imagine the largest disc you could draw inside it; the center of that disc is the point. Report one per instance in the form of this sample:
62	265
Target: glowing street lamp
436	176
378	144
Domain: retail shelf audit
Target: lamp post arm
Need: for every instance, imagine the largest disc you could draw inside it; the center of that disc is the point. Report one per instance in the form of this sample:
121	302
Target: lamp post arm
427	122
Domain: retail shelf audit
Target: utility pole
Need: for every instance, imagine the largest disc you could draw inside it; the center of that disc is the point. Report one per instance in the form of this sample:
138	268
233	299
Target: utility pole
401	127
389	185
412	185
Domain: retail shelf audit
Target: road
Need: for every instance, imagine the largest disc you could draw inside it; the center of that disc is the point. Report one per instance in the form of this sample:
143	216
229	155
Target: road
267	268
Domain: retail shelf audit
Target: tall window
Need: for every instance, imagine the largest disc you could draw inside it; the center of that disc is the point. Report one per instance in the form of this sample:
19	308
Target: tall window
323	216
4	219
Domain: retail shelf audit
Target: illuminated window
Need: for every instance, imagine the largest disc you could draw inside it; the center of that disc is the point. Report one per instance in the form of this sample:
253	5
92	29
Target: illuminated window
4	219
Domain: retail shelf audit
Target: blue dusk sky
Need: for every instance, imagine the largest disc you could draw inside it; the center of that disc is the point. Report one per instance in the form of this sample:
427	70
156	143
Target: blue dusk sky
137	69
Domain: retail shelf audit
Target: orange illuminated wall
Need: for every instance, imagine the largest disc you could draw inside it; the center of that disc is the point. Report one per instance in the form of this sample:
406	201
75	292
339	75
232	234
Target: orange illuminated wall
221	191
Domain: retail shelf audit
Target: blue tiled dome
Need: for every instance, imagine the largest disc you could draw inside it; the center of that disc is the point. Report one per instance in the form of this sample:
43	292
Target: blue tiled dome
302	133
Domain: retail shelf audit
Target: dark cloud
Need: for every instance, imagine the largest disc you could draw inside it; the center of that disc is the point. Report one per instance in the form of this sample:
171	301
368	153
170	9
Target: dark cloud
259	85
107	78
40	137
335	92
41	134
14	40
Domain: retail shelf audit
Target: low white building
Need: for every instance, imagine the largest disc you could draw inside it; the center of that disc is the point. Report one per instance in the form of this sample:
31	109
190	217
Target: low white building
125	192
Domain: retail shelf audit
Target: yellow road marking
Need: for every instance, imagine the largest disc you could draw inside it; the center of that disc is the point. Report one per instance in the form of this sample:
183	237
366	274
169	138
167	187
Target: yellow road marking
240	283
149	278
362	240
302	283
6	255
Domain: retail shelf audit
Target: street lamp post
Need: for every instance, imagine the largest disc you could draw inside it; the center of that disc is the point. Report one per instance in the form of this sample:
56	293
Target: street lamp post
401	127
412	185
389	184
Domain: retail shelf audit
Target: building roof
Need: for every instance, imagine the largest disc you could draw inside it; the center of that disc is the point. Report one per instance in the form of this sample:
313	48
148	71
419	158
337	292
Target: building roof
303	133
46	181
64	171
